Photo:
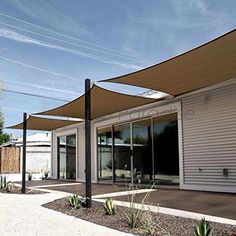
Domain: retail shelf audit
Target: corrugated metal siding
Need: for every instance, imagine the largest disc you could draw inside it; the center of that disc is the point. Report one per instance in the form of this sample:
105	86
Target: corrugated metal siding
209	138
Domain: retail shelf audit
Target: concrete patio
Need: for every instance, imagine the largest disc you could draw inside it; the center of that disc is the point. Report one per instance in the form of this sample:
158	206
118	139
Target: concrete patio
216	204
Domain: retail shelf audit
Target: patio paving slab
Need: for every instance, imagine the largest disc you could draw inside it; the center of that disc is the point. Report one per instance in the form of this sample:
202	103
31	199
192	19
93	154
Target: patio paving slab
216	204
210	203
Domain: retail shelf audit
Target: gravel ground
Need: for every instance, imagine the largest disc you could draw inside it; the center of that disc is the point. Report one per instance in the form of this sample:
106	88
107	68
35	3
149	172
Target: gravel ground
164	224
23	215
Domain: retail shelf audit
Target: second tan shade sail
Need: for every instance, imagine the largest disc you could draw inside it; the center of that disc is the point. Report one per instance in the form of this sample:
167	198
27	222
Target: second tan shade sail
45	124
103	102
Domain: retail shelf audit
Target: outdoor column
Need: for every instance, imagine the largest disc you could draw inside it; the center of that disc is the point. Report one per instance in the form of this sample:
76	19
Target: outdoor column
24	151
88	143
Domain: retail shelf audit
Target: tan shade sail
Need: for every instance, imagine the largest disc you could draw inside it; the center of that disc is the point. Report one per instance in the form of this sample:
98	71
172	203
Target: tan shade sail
38	123
103	102
211	63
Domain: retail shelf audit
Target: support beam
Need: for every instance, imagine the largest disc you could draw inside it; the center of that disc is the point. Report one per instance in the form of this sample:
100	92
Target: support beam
24	151
88	191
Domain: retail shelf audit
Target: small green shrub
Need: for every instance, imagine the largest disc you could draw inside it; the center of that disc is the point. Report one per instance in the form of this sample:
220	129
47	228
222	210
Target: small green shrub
148	223
6	186
109	207
135	213
203	228
76	202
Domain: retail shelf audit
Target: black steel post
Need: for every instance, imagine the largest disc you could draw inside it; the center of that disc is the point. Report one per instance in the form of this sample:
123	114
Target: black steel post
24	151
88	189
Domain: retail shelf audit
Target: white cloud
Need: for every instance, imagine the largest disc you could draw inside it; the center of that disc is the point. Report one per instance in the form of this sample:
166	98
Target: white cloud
40	69
39	87
10	34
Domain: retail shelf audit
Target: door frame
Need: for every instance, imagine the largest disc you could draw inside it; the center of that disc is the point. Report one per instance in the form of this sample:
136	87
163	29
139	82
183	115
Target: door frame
67	133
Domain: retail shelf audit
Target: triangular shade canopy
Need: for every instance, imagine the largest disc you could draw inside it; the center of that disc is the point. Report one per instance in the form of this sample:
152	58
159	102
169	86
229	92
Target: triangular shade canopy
103	102
209	64
45	124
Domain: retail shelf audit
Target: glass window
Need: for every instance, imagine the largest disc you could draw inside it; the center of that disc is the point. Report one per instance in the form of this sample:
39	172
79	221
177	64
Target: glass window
62	157
166	152
104	149
150	149
142	151
67	157
122	152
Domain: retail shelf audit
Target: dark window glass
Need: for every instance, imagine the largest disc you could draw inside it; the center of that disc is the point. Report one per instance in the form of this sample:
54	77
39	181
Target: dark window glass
166	153
122	152
142	151
67	157
104	149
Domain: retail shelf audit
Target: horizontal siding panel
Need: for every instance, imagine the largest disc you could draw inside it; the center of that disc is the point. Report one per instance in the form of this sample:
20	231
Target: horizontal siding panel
210	184
209	138
210	134
206	150
212	122
214	142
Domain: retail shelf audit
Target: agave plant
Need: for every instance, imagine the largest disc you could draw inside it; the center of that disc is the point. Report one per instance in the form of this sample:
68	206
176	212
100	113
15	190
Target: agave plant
203	228
109	207
75	201
4	184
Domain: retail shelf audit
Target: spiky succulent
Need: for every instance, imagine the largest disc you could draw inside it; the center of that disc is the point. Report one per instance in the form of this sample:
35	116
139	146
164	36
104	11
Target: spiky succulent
203	228
74	201
109	207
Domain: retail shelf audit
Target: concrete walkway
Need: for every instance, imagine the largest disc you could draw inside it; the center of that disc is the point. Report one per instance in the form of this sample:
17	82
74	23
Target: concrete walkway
23	215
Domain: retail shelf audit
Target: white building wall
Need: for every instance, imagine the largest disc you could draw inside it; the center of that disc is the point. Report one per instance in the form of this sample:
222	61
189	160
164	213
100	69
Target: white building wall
38	158
209	140
79	130
54	155
207	136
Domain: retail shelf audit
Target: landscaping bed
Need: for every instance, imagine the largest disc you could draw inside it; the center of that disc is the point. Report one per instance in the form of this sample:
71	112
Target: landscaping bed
163	224
17	190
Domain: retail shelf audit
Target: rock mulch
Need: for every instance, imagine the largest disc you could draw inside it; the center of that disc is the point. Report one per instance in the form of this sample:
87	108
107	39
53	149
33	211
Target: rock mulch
164	224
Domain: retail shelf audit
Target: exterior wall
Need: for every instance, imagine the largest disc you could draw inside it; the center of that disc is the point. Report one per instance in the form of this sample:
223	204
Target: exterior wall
207	137
38	158
209	140
80	151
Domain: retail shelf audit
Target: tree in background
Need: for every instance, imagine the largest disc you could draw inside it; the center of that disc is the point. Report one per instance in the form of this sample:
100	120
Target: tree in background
4	137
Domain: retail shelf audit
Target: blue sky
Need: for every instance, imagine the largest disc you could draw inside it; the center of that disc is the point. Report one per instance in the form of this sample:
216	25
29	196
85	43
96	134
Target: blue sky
49	47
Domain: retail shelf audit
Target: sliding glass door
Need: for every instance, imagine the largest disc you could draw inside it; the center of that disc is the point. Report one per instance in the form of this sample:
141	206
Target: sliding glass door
122	152
140	151
67	157
104	142
166	151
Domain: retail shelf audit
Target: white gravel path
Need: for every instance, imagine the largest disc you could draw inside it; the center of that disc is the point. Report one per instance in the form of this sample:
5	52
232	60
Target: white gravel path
23	215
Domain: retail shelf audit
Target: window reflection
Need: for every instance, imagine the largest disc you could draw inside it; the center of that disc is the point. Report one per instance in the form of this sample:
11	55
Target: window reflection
142	151
67	157
149	151
104	141
166	152
122	151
